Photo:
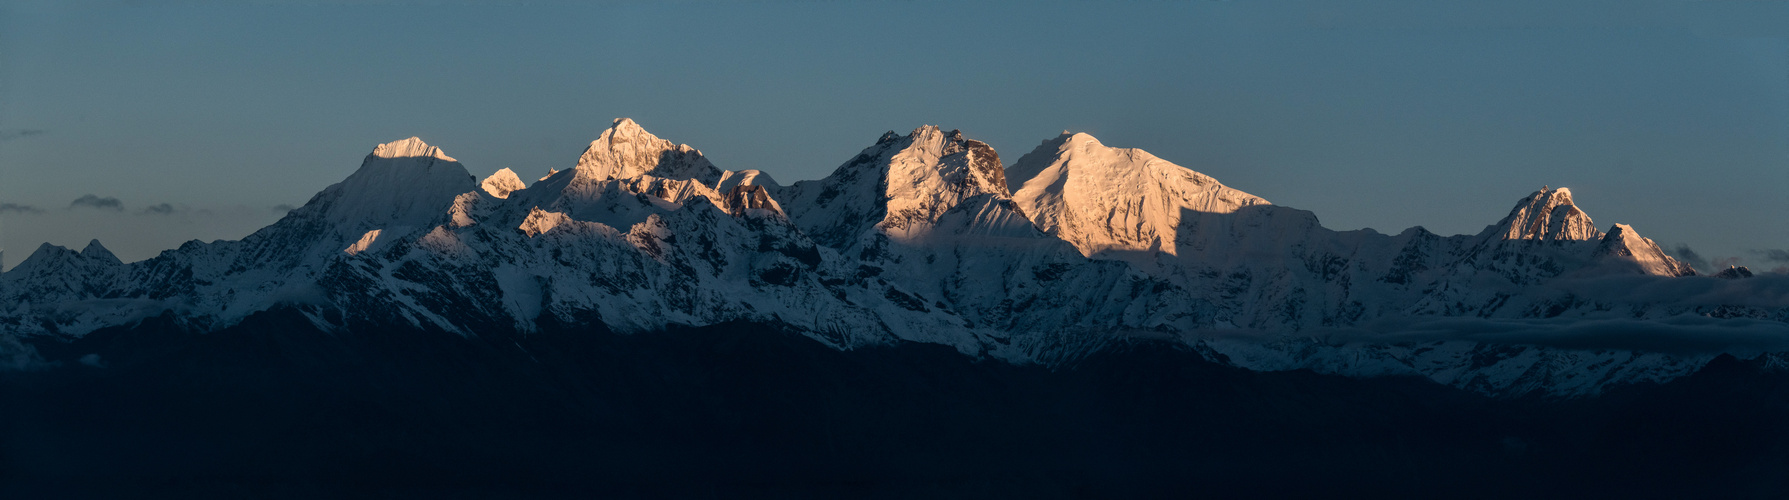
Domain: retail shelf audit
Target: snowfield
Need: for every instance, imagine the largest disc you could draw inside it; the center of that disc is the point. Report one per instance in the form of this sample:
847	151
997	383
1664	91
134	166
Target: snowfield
929	237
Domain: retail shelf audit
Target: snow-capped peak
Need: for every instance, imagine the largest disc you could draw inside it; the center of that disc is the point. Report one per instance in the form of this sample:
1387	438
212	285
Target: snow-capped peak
730	178
95	250
502	183
743	197
402	184
1548	215
930	240
939	161
411	187
409	148
900	185
1734	273
625	151
1624	245
1104	198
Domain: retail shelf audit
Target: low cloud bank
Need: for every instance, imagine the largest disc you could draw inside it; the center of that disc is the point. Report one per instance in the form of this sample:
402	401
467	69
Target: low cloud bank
1753	308
1765	291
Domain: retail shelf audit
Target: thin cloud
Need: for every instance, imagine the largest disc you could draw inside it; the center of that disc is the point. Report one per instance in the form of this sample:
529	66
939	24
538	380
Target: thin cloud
7	135
19	209
1774	255
159	209
95	201
283	208
1683	253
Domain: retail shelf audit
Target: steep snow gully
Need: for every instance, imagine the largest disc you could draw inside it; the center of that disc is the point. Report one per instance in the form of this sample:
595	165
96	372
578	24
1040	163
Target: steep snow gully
927	237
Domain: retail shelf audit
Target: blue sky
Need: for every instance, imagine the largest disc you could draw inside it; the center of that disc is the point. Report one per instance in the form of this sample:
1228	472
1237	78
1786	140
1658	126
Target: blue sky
1670	116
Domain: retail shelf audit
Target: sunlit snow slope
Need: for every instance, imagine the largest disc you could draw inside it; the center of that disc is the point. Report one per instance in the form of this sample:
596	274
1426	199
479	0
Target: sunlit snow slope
928	237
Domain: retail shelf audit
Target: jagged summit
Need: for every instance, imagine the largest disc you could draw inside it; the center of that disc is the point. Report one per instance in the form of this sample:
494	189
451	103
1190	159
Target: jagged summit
919	237
946	162
1547	236
1548	215
743	197
624	177
1734	273
626	151
900	186
409	148
1104	198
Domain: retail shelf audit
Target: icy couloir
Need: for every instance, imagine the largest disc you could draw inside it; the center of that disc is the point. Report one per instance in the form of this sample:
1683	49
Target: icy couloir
921	237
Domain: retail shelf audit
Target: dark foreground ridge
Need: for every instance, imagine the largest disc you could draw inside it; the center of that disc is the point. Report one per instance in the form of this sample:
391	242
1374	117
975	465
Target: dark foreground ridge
275	408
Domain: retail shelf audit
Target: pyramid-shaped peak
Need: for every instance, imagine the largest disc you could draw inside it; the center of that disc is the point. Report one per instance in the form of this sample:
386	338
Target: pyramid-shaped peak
1622	243
626	150
407	148
95	250
1548	215
626	129
1102	198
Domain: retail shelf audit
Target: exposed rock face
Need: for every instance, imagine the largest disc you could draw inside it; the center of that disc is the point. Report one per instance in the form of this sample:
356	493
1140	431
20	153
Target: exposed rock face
625	151
900	187
1734	273
1548	215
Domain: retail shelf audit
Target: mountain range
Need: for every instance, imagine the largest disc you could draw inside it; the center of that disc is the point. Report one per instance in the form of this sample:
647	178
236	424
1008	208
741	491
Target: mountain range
929	237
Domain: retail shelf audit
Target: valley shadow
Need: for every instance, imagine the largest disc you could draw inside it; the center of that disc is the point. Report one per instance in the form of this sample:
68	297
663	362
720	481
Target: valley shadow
274	408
